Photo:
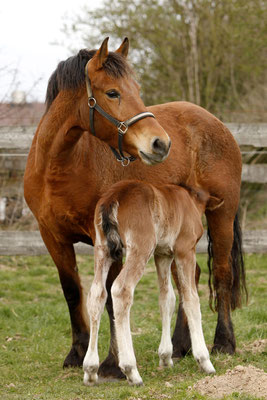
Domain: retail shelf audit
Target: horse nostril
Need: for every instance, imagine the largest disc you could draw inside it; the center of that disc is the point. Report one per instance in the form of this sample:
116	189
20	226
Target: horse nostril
159	147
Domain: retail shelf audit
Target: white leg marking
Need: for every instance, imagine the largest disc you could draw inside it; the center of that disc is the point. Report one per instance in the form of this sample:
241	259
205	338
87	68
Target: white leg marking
167	305
95	303
122	292
191	305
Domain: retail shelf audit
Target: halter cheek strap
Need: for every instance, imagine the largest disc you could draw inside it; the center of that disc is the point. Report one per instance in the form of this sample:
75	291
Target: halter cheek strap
122	126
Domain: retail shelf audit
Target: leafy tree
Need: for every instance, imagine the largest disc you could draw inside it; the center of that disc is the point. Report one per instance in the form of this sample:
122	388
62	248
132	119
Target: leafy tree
210	52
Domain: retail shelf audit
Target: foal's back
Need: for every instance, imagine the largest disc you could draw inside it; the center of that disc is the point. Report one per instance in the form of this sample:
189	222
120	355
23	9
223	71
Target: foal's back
143	213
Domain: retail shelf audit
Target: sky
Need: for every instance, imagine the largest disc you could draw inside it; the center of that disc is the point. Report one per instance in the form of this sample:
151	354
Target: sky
28	29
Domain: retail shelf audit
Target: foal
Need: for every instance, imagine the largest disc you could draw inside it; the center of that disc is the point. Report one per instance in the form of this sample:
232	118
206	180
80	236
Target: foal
146	219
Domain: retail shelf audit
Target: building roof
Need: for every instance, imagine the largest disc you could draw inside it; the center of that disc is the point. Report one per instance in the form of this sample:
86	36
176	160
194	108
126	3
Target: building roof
25	114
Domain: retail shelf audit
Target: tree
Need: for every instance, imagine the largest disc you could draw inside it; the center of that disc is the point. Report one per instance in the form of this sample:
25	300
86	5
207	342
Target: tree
206	51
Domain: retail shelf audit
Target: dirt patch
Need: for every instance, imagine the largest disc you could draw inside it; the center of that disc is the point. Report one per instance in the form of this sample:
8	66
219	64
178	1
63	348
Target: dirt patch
259	346
249	380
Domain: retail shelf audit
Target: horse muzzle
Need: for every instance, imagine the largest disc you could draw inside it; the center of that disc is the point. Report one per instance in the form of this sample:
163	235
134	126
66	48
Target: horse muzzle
160	151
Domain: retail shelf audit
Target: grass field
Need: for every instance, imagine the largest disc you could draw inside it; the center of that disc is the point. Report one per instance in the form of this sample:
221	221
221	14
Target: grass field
35	335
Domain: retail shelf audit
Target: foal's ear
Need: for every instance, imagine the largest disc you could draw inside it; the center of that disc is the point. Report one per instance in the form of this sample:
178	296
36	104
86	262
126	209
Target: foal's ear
213	203
124	47
102	54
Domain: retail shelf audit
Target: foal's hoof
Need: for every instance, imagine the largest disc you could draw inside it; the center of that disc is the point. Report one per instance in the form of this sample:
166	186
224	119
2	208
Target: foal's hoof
207	367
109	370
165	360
90	376
133	376
137	383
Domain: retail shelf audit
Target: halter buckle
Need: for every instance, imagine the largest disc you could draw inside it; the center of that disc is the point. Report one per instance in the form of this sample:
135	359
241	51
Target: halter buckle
91	99
122	128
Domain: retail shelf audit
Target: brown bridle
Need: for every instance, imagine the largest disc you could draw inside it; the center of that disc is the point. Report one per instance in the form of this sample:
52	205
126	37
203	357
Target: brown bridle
122	126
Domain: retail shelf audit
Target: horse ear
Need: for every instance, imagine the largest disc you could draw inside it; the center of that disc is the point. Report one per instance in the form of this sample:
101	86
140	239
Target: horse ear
124	48
213	203
102	53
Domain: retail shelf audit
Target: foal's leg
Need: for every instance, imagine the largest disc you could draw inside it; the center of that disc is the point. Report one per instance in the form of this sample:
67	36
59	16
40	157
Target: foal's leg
181	337
109	367
122	293
167	305
186	272
64	258
96	303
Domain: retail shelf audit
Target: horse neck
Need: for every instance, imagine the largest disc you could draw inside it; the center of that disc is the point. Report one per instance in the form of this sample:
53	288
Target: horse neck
58	130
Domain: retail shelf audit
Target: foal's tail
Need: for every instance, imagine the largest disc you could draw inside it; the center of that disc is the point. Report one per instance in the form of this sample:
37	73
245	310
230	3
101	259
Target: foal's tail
109	213
238	269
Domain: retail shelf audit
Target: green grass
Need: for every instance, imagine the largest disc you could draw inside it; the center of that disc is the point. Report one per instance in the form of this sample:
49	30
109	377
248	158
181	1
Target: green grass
35	335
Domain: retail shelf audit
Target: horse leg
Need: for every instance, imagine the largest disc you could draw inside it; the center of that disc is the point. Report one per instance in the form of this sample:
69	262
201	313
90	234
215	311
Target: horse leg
221	232
109	367
167	305
64	257
181	338
95	304
186	263
122	295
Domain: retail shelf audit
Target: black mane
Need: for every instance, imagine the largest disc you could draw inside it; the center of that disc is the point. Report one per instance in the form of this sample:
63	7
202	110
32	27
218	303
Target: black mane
69	74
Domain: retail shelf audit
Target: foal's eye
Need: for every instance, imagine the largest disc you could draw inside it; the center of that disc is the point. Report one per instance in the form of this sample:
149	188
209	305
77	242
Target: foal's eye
113	94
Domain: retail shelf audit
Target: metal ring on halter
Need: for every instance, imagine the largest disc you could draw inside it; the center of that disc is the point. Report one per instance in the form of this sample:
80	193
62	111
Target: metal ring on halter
122	128
94	102
125	161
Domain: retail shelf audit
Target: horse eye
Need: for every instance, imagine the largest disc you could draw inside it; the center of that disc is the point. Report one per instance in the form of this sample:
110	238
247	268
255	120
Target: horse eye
113	94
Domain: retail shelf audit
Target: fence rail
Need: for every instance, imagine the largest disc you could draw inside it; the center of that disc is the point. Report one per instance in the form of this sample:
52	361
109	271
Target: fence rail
31	243
14	146
15	143
13	137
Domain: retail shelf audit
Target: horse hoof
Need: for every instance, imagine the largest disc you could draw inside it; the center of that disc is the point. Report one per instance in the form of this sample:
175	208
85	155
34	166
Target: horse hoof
227	348
110	370
73	359
180	352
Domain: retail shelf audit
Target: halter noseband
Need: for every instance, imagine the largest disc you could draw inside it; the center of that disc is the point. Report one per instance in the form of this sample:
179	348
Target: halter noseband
122	126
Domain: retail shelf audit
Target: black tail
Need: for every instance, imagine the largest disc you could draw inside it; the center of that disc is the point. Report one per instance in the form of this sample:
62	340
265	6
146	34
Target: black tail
110	229
238	269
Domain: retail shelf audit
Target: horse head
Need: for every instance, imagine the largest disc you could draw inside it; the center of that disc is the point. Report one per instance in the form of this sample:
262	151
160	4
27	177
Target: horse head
118	115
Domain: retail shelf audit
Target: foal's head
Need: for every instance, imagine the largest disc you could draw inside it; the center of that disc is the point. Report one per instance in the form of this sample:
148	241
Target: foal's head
111	83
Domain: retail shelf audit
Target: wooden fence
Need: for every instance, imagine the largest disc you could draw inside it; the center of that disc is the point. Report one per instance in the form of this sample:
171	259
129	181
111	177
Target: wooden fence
15	143
14	147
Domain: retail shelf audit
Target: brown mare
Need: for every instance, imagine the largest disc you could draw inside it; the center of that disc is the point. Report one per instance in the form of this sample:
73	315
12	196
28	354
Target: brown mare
69	168
146	219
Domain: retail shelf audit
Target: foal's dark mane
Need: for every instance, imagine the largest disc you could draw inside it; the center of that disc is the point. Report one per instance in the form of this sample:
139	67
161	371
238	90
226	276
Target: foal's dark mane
70	74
